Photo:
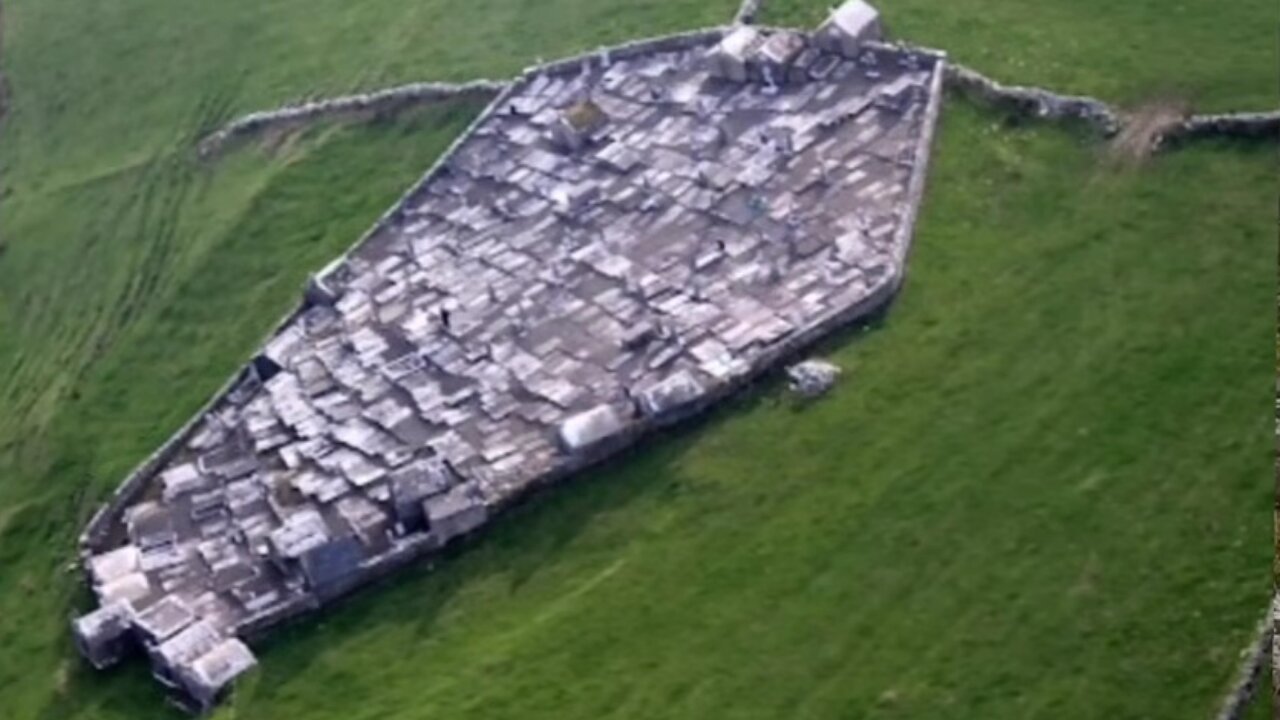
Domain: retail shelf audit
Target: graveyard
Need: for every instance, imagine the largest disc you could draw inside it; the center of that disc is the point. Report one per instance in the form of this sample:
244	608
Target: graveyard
648	302
613	245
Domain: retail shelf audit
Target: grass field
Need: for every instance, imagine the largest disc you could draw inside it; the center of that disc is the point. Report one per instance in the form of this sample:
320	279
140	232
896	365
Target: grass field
1260	707
104	210
1216	56
1042	491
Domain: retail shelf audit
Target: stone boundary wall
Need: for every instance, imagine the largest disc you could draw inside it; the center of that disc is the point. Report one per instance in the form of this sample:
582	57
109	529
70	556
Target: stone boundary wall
600	56
402	96
1020	100
748	12
1041	103
1033	101
393	98
412	549
902	46
415	548
403	553
1250	674
924	145
1249	126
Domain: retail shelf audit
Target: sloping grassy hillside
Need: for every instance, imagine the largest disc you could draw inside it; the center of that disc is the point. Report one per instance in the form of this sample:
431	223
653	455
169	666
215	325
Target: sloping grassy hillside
167	362
1219	56
105	211
134	279
1040	492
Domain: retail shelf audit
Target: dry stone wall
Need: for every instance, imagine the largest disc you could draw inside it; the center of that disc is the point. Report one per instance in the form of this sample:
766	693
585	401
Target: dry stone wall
903	100
602	57
395	98
1021	100
1250	675
1041	103
1032	101
1249	125
1028	101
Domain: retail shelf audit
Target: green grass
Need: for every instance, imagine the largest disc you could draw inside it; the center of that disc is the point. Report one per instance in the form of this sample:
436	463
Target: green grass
105	212
167	363
1042	490
1220	56
1260	707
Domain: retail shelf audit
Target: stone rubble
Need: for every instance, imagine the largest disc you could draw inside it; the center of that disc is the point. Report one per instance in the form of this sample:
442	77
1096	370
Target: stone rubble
812	378
1248	125
748	11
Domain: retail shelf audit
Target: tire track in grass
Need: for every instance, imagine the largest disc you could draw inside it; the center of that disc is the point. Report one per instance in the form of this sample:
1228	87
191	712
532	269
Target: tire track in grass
212	112
122	261
5	89
167	190
118	266
165	197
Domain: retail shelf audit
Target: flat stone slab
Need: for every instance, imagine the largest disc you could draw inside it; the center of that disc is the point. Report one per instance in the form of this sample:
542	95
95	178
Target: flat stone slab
616	243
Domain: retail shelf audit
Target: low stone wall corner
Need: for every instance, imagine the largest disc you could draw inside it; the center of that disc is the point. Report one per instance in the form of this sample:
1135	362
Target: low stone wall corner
1033	102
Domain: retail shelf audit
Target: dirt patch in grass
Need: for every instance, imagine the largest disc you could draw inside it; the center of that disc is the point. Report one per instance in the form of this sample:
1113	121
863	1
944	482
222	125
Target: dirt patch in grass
277	139
1143	127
